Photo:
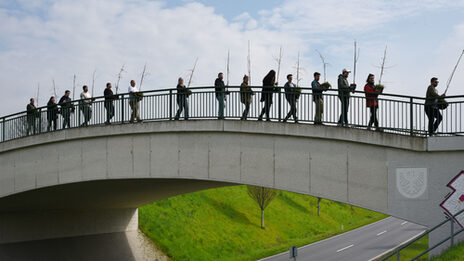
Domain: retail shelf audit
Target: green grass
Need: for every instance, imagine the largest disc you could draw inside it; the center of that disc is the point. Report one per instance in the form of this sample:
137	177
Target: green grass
413	250
224	224
456	253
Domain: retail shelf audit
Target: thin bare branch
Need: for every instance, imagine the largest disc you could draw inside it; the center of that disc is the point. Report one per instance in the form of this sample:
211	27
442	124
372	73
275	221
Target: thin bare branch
144	74
192	71
249	62
119	78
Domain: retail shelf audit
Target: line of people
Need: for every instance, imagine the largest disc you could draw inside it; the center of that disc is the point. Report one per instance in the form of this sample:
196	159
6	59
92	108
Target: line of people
291	91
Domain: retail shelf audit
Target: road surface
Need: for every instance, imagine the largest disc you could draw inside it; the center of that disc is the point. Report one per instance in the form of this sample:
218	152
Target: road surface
362	244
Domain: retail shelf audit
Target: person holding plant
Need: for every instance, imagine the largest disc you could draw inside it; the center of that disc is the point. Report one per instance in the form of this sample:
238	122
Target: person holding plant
182	95
245	96
318	98
269	88
372	94
344	89
431	106
292	95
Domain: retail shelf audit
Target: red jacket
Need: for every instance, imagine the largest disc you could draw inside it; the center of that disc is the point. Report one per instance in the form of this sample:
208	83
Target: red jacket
371	96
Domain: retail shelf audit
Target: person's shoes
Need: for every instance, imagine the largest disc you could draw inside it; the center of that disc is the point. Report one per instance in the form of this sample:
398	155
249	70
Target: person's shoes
368	128
131	121
140	121
260	119
268	119
377	129
284	120
296	120
107	123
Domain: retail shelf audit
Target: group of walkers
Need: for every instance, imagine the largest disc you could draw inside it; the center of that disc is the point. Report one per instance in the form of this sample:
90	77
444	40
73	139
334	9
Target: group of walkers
292	93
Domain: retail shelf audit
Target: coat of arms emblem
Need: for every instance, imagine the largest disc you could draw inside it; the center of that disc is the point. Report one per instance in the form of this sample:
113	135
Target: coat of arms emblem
411	182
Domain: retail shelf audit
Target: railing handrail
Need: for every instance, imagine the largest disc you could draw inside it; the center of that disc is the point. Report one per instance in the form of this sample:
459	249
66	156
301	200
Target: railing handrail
238	89
428	231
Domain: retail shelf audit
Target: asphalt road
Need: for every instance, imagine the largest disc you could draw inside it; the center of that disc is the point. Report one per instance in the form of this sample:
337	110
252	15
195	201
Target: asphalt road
362	244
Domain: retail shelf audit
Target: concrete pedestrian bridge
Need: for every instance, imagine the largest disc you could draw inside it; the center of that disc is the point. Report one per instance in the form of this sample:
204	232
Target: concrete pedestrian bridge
86	181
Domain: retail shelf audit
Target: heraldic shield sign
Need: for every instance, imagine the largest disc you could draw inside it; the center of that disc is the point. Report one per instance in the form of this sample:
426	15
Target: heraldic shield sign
454	202
411	182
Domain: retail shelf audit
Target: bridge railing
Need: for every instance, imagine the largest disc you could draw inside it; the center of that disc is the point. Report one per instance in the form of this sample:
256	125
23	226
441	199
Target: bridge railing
396	114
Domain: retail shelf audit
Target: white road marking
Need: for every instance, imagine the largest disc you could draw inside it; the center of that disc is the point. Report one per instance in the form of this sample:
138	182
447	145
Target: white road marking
345	248
381	232
404	222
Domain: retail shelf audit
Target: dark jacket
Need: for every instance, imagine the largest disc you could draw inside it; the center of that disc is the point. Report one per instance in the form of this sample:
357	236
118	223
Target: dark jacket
219	87
317	90
52	111
183	92
268	90
245	93
431	97
343	86
66	105
109	95
32	111
291	94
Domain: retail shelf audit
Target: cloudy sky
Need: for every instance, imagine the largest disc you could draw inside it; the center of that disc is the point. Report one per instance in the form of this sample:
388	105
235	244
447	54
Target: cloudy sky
45	40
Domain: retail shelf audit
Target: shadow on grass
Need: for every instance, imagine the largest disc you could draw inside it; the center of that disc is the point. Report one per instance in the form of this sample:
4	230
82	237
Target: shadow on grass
228	211
293	204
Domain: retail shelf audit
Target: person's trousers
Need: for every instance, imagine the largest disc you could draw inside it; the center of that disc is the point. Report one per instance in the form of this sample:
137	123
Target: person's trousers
246	111
220	99
31	125
50	123
134	104
319	110
109	106
66	119
292	112
373	119
266	110
183	106
87	111
433	113
345	102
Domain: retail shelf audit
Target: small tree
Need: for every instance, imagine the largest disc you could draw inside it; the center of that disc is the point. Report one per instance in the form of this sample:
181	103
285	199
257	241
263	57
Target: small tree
262	196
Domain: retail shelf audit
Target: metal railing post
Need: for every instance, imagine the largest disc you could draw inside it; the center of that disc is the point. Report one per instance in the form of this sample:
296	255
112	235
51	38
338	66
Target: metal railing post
3	129
411	117
40	121
170	105
398	255
280	105
122	108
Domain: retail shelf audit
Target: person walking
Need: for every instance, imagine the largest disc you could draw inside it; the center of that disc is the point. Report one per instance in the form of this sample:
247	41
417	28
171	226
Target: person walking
318	98
109	102
344	89
134	102
31	114
269	87
220	90
372	101
182	96
52	114
292	96
431	106
66	109
246	94
86	105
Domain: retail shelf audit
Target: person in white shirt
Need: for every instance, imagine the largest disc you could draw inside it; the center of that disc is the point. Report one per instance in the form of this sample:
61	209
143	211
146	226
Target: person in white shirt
86	105
134	100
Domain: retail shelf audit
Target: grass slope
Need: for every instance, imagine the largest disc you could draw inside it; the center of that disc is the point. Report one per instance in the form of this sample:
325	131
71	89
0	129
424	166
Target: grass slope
456	253
224	224
413	250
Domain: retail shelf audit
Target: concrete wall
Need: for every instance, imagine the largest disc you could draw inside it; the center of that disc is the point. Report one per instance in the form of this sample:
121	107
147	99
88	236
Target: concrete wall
354	166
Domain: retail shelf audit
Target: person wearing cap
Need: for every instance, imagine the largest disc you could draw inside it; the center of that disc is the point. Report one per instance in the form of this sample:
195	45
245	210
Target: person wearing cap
292	95
317	98
431	106
344	89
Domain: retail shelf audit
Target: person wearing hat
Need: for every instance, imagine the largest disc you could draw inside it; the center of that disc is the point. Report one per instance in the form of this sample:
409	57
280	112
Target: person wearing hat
292	95
344	89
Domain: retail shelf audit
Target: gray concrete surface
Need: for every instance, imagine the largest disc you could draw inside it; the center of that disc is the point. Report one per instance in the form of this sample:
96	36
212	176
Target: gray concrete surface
359	167
362	244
